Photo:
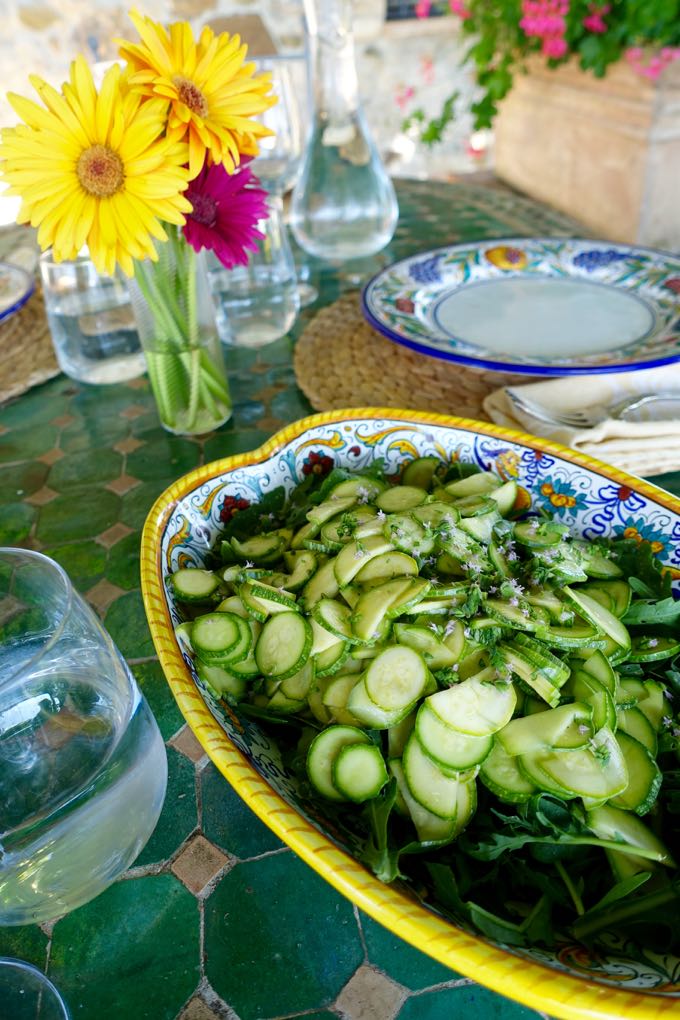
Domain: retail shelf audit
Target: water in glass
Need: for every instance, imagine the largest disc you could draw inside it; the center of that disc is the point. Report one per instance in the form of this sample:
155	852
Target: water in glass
82	763
91	322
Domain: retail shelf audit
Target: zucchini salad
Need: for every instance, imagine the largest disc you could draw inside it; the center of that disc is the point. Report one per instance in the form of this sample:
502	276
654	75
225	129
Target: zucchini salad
489	699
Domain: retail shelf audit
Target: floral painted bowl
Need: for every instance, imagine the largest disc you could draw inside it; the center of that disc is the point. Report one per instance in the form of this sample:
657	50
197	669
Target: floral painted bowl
592	498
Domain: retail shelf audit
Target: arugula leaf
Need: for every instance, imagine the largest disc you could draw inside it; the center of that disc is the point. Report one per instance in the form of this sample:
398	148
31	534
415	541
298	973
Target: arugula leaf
377	853
619	891
649	611
248	522
637	561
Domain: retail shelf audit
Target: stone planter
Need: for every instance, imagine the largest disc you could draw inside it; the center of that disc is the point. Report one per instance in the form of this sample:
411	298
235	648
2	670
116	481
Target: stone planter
604	150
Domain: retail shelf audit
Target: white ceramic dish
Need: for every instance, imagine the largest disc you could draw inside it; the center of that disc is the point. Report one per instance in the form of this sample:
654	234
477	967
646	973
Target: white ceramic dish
542	306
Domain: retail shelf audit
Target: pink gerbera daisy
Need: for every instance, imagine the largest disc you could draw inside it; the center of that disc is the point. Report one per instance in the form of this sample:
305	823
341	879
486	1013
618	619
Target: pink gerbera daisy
226	211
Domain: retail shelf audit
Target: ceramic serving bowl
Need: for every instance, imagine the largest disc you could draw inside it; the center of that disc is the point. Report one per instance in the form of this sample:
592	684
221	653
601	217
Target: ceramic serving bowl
592	498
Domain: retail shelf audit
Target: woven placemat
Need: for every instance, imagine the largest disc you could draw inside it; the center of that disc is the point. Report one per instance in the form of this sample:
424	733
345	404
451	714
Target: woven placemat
341	362
26	352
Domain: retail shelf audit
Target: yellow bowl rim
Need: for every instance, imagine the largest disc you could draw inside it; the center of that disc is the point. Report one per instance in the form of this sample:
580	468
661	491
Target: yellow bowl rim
539	986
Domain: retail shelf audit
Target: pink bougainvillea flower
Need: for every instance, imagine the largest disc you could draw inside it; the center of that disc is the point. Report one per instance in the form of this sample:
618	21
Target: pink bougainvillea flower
226	209
594	19
554	46
423	8
459	8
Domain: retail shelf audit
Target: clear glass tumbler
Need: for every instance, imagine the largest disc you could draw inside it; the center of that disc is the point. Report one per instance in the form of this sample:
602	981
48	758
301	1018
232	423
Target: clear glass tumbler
26	994
257	303
91	322
83	767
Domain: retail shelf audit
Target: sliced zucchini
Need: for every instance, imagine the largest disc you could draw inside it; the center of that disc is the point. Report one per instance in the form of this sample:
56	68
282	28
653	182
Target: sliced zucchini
386	566
501	774
644	777
420	472
449	748
322	753
354	556
598	771
396	678
566	727
600	617
191	584
358	772
427	783
220	637
398	498
477	706
284	645
429	827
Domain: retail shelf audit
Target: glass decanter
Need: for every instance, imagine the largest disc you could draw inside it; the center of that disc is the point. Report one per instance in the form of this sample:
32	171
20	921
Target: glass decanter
343	204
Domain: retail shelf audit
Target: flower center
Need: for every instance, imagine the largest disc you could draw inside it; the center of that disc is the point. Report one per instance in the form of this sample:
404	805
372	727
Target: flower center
191	95
204	209
100	171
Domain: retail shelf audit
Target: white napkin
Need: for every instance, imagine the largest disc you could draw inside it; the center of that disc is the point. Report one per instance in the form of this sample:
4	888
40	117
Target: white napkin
643	448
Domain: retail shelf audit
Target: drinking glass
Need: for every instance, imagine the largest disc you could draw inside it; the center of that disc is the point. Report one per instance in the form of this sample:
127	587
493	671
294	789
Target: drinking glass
82	763
259	303
91	322
26	994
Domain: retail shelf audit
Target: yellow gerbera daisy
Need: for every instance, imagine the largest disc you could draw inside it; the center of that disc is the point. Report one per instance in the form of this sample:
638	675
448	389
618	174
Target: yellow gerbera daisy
95	169
212	94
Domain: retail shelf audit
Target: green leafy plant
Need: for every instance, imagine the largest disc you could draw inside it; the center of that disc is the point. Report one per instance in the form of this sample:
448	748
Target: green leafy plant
504	33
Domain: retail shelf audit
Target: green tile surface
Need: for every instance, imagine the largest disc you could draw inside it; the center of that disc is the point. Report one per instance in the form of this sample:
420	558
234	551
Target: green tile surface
265	937
270	965
132	952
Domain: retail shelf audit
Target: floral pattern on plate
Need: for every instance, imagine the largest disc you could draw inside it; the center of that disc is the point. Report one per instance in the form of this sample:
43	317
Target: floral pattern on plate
404	301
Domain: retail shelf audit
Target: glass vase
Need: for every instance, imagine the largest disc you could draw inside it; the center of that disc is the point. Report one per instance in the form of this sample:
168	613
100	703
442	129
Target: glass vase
343	205
176	322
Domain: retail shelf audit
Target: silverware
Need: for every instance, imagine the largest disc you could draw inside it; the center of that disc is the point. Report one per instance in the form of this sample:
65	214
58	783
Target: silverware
625	410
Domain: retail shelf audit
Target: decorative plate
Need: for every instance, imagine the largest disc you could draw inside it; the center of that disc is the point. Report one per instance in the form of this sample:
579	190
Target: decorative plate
16	287
630	980
543	306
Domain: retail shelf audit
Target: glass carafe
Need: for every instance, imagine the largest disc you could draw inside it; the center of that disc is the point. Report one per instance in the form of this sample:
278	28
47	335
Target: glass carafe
343	204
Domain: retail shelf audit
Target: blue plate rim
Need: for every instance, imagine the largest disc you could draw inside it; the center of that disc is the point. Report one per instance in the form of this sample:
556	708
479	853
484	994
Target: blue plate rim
30	289
504	366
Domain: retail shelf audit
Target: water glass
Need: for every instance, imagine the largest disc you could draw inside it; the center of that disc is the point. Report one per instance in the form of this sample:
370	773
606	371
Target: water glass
26	994
83	768
91	322
257	303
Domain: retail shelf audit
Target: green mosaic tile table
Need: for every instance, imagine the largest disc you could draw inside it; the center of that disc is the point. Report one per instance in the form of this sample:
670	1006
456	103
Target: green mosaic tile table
216	918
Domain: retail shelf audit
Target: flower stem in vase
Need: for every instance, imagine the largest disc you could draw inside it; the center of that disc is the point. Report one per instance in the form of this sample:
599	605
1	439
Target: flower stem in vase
177	327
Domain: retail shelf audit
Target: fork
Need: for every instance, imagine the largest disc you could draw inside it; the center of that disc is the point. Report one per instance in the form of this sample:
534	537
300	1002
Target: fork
577	419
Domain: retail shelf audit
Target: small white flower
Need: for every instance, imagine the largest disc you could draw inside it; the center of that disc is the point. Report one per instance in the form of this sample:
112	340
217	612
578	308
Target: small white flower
433	626
667	694
376	634
525	611
676	732
450	627
359	554
564	616
512	556
667	721
652	642
363	494
381	515
514	601
467	632
583	728
455	667
493	589
248	563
